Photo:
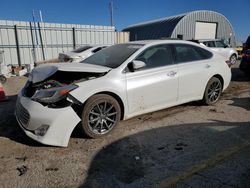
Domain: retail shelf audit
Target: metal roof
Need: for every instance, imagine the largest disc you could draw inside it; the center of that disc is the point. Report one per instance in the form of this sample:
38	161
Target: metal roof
181	25
165	19
155	29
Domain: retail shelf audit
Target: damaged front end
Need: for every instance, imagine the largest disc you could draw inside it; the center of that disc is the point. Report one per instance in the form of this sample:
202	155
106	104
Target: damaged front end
45	109
54	91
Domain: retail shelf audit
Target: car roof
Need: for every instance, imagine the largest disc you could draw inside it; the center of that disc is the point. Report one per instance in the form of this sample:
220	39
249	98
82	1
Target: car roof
159	41
206	40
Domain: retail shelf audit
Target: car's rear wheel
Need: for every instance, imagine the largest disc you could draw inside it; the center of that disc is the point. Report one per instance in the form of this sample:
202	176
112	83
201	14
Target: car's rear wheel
233	58
213	91
100	115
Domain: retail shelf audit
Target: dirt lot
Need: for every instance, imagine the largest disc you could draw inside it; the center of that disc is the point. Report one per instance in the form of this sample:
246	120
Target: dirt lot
185	146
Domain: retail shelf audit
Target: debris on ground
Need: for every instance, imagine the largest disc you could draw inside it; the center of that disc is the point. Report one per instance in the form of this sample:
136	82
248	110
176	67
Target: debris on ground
21	158
161	148
22	170
51	169
213	110
137	158
179	146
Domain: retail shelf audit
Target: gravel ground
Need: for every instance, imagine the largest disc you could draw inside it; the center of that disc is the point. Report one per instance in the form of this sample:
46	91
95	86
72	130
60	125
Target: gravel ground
185	146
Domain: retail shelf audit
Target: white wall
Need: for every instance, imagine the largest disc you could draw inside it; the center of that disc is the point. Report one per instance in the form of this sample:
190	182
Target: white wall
56	38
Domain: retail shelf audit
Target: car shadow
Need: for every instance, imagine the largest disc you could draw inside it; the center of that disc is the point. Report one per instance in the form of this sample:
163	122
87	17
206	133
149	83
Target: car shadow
241	102
147	158
9	127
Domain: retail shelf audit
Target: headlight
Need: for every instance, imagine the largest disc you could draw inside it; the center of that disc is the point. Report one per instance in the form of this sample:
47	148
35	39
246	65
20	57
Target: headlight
52	95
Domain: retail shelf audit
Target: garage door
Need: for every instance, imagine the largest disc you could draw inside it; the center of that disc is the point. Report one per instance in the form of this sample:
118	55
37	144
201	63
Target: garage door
204	30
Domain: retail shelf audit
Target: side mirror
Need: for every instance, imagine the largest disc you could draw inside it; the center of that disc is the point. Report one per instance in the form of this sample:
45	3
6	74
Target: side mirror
135	65
226	46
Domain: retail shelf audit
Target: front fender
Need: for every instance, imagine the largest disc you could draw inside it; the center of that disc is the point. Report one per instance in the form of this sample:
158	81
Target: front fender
89	88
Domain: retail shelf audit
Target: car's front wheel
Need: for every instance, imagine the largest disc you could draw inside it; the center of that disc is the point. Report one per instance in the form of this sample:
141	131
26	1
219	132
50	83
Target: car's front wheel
213	91
100	115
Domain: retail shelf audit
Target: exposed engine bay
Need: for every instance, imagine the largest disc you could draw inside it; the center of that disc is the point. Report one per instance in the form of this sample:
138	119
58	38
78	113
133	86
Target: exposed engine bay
54	90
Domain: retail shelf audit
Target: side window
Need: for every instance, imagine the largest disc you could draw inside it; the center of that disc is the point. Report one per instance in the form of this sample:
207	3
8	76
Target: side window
187	53
204	53
209	44
219	44
156	56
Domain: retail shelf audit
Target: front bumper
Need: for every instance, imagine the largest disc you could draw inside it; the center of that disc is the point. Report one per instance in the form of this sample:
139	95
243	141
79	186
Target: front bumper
61	121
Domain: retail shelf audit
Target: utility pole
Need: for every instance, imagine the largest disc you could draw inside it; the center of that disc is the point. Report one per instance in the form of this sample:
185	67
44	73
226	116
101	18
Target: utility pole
35	15
111	9
41	16
34	21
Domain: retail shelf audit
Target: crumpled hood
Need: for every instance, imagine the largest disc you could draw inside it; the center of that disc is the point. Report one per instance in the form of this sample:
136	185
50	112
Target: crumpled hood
44	71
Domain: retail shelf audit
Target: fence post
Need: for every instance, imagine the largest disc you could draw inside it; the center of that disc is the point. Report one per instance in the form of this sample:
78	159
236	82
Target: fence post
17	47
41	40
33	43
74	37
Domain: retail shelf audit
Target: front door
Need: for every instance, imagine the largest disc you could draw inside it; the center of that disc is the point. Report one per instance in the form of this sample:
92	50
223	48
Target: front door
155	86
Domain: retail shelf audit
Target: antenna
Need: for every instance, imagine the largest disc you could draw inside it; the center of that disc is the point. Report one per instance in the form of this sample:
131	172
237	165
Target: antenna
111	9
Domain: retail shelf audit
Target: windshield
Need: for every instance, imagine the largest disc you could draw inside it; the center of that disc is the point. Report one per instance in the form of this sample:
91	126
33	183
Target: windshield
81	49
113	56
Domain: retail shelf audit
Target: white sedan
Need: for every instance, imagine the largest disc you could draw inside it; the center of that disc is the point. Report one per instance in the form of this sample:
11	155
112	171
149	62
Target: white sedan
80	53
117	83
220	47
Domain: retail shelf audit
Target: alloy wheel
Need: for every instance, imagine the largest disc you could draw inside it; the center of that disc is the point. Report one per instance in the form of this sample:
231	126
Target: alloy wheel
214	91
102	117
233	59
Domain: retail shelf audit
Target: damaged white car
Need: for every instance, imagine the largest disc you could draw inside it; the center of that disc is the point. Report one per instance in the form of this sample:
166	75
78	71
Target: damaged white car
117	83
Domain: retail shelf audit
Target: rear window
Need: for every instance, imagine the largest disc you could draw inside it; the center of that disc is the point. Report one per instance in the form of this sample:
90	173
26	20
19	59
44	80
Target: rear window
188	53
209	44
220	44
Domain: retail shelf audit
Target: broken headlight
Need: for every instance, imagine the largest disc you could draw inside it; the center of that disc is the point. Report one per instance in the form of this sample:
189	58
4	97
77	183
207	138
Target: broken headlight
52	95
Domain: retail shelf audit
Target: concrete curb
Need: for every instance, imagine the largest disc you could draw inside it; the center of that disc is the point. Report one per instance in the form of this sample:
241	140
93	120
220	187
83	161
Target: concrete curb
172	181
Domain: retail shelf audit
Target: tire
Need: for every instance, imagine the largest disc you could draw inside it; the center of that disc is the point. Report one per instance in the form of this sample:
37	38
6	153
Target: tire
2	79
213	91
100	115
233	58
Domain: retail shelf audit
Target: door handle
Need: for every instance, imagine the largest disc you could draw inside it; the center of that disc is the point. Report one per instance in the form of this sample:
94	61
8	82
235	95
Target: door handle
207	66
171	73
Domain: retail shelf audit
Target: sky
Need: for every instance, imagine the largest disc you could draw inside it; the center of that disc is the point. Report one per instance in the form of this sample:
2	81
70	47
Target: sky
126	12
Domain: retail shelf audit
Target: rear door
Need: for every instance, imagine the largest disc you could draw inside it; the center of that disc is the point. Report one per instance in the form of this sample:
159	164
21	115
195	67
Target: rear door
193	69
